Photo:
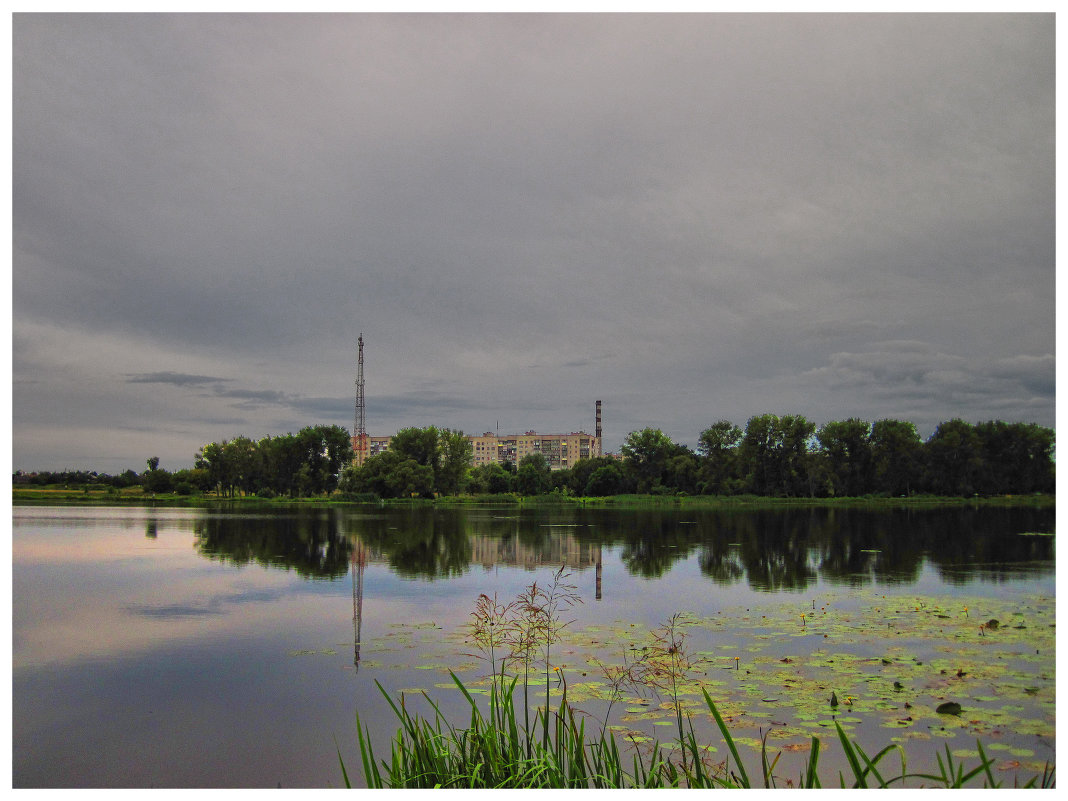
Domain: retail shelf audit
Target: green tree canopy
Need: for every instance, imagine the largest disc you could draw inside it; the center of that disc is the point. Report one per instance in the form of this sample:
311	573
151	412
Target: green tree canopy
390	475
532	476
896	454
646	453
422	445
953	456
608	479
847	448
455	459
579	474
774	454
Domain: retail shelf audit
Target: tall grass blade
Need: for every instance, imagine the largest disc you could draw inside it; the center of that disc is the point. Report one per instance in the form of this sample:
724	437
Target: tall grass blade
727	738
811	780
985	765
851	756
344	773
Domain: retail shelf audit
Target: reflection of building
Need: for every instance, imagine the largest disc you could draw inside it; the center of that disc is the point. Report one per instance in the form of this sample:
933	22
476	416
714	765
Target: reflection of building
559	548
562	550
561	451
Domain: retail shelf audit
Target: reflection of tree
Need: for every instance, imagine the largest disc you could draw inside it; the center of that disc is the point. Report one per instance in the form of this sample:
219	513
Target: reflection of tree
420	542
772	549
776	552
305	540
721	562
785	548
858	546
977	539
654	541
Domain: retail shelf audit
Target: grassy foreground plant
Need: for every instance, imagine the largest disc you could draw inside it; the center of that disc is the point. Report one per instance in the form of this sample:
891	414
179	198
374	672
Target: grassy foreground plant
497	750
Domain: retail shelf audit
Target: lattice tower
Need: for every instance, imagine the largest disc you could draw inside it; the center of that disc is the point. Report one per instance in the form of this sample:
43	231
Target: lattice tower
359	428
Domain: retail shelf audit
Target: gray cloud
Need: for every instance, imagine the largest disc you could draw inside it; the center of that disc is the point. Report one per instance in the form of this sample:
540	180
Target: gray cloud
175	379
692	217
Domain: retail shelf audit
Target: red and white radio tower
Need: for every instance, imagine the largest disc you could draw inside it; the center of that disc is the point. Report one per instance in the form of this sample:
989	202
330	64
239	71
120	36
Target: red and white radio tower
359	433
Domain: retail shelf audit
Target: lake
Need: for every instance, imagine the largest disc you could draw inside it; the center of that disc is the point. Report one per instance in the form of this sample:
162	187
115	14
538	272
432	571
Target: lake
234	646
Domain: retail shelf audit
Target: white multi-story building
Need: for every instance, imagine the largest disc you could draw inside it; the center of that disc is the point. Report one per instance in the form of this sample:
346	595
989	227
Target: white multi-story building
561	451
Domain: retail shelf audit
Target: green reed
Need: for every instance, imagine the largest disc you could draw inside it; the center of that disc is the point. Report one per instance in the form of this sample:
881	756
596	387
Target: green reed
498	750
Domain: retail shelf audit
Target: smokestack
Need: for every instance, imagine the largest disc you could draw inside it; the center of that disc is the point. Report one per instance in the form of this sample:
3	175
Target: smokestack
598	419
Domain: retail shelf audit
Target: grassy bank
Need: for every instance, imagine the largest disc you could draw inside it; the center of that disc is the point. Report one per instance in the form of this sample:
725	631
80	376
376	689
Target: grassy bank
136	496
756	501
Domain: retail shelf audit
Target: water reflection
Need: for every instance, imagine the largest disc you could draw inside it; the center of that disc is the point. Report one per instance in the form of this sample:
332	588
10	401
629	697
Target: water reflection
771	550
309	542
359	563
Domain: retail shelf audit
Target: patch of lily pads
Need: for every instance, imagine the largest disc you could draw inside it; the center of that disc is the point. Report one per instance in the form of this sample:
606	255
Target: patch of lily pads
924	667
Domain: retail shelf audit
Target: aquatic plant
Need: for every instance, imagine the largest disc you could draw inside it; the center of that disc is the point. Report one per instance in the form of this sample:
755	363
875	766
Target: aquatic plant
499	753
553	751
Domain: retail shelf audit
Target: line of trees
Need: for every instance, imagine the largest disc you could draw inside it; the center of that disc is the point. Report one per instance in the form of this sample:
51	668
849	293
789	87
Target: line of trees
773	456
304	464
296	465
153	479
789	456
420	462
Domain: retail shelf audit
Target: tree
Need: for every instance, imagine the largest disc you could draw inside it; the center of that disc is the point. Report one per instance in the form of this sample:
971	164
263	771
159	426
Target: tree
681	470
953	459
532	477
580	473
757	454
646	453
241	463
324	451
153	463
608	479
491	478
391	475
422	445
1017	458
455	458
795	434
282	458
196	478
158	481
774	455
846	445
718	446
895	456
212	458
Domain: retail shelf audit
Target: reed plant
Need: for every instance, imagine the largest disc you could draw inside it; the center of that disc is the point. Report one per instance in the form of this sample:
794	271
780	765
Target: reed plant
554	750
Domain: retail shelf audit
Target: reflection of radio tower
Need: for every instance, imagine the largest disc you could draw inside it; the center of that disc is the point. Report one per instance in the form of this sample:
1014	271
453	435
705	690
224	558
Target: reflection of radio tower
359	561
597	575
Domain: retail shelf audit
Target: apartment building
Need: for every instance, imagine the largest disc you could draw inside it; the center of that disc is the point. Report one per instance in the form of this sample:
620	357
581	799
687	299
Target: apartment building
561	451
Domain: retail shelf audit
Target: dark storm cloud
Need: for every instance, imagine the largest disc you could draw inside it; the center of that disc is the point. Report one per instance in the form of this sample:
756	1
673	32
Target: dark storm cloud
692	217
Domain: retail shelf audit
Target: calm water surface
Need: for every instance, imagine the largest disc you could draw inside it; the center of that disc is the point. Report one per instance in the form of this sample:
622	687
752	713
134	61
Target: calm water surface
168	647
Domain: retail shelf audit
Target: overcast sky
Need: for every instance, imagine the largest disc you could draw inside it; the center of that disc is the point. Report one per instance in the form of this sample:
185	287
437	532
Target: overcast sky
691	218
